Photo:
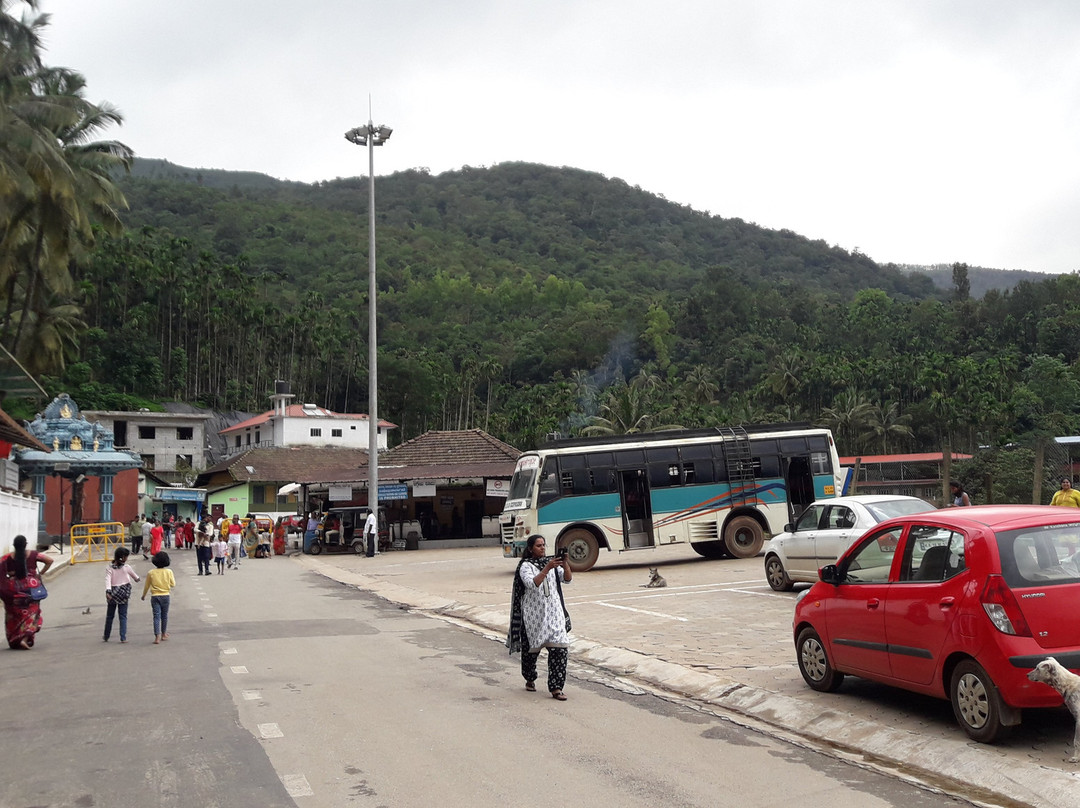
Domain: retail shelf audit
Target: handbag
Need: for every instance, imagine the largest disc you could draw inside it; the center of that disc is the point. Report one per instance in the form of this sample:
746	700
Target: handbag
35	588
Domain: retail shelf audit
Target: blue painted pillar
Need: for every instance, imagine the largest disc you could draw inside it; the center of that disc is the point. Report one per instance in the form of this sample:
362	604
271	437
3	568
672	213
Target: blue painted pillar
105	483
39	492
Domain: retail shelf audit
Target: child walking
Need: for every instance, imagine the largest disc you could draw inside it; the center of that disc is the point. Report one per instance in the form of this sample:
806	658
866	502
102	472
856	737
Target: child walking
159	583
118	578
220	549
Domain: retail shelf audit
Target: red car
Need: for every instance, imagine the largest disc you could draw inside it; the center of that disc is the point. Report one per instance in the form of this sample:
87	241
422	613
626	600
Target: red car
959	603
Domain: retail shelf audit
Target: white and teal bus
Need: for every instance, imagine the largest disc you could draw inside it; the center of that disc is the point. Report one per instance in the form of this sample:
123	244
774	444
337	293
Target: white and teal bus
722	490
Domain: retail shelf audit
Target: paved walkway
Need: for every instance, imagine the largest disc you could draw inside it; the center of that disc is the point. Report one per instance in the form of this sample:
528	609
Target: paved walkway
718	635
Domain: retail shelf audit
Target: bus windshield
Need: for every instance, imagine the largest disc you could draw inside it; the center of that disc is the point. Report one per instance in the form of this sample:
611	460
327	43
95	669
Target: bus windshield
523	483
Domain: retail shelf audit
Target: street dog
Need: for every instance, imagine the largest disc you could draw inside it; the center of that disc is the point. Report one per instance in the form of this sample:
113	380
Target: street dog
656	580
1067	683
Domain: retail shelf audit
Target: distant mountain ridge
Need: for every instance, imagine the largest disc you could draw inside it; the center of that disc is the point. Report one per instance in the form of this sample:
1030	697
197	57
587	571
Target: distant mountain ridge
982	279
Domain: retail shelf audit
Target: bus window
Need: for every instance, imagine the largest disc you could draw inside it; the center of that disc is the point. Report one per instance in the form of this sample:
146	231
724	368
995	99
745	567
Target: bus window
664	467
574	479
819	463
719	463
793	446
630	459
697	464
767	466
549	481
602	479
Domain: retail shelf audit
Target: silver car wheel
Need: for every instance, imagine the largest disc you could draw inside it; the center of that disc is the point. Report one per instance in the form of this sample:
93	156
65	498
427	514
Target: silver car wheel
814	661
972	701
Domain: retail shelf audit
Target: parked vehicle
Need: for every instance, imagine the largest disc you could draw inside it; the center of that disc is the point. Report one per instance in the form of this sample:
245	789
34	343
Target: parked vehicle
342	530
825	530
721	490
959	603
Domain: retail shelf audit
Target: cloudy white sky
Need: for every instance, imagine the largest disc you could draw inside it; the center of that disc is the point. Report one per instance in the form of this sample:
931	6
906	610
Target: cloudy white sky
917	131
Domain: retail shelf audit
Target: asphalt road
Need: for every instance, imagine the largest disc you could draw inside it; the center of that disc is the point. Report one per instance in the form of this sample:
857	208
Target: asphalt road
280	687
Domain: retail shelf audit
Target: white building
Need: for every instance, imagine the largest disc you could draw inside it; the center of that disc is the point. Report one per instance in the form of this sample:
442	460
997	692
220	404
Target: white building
302	425
166	441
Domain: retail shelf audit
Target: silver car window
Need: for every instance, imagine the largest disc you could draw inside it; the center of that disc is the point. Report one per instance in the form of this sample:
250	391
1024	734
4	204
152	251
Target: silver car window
811	518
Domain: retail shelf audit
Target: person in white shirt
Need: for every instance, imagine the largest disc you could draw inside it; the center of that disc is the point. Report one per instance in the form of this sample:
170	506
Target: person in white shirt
371	534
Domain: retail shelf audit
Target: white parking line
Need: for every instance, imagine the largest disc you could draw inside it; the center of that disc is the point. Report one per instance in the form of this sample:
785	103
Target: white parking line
759	594
639	611
270	731
297	785
239	669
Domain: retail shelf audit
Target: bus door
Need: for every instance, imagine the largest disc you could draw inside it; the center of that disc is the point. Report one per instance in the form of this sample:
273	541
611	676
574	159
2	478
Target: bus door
636	508
799	480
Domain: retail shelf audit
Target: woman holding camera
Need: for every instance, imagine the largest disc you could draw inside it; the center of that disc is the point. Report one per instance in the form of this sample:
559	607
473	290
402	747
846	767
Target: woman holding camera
538	616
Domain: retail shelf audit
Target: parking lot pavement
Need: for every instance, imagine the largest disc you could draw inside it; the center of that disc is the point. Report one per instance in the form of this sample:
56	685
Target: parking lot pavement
718	634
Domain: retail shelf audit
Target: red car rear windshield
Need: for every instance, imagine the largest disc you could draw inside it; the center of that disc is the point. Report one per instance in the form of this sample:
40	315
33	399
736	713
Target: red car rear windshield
1039	556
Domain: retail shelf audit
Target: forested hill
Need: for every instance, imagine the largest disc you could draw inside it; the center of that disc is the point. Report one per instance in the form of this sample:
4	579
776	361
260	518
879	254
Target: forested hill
529	300
524	218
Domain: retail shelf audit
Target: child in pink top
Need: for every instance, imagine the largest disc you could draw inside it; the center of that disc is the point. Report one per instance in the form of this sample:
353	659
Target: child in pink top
219	549
118	578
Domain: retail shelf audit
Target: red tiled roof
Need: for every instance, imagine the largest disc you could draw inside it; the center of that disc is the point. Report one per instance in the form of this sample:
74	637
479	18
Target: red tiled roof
289	464
436	447
298	411
925	457
436	455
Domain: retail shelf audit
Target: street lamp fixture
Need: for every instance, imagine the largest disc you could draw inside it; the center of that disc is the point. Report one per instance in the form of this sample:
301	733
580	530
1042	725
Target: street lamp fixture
371	136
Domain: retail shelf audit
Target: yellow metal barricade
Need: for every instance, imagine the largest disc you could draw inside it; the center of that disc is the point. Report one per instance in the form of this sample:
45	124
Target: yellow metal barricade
97	541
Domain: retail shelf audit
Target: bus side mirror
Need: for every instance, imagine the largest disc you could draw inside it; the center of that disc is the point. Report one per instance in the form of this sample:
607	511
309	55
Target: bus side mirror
830	574
789	527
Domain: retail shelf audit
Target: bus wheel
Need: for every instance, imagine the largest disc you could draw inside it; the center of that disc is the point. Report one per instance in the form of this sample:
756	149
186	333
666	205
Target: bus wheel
709	549
582	549
744	537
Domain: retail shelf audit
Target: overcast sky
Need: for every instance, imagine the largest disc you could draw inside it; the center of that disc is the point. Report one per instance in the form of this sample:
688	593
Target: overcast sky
915	131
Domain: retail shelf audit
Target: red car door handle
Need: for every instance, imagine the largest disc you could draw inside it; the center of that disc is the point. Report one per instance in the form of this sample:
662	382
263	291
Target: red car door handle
947	603
873	603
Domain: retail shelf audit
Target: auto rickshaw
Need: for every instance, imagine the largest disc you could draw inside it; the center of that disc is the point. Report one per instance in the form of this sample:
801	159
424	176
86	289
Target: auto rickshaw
342	529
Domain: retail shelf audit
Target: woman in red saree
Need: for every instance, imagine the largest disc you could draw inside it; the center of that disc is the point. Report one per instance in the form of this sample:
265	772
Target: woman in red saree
22	613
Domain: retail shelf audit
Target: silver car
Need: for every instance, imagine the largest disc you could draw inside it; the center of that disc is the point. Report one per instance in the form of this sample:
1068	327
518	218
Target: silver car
825	530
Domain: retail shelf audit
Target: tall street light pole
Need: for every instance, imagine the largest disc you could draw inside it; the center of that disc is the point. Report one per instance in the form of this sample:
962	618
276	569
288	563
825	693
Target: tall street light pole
372	136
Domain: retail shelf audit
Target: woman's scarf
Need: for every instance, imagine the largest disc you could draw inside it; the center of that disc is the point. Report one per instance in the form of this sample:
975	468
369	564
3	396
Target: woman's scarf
515	637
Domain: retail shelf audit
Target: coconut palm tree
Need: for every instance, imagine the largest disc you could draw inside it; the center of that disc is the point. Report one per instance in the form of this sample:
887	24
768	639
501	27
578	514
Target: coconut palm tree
884	424
628	409
56	180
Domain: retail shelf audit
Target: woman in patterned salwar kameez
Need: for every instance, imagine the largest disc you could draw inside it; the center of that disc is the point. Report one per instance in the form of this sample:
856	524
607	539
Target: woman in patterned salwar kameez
538	617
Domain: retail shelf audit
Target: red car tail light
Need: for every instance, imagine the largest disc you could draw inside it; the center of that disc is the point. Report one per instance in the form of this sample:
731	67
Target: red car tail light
1002	608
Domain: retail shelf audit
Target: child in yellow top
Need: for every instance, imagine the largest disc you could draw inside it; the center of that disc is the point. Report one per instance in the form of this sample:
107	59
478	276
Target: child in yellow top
159	582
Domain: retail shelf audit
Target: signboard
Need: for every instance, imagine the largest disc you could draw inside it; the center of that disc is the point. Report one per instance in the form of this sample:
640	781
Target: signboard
393	491
180	494
423	489
341	493
496	488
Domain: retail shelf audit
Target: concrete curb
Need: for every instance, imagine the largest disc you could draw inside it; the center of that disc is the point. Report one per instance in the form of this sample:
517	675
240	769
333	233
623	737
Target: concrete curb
956	766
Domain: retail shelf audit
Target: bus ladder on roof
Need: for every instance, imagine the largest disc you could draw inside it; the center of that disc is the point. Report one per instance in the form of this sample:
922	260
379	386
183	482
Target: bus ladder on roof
740	463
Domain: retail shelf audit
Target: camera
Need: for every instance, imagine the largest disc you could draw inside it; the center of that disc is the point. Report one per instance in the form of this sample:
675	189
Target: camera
560	553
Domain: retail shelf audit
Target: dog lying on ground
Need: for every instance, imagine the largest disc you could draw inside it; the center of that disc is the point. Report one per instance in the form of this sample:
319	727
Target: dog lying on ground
1067	683
656	580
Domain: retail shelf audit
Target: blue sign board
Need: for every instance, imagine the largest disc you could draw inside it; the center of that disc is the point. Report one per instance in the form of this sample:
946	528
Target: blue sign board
180	494
393	491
